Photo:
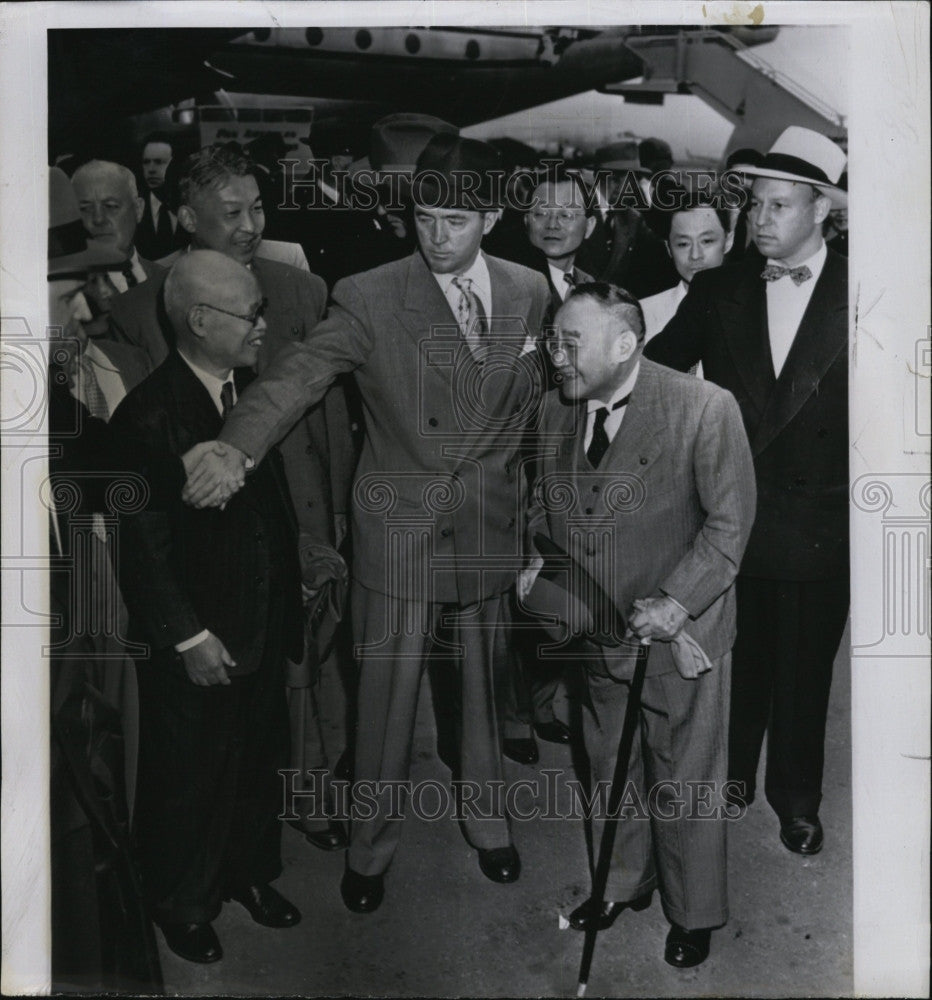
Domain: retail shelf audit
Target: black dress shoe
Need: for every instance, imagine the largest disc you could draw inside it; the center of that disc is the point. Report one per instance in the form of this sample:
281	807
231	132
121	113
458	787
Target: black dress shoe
501	864
581	917
685	949
523	751
266	906
193	942
332	839
802	834
362	893
553	732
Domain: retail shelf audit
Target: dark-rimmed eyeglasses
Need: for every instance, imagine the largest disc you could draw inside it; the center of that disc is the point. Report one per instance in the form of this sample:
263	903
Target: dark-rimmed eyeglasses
251	318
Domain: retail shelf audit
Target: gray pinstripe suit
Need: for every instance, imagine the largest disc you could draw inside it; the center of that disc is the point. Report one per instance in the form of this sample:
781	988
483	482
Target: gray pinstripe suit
669	510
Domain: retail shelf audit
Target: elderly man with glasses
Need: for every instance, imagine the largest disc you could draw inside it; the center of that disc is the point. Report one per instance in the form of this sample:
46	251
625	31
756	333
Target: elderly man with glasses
216	597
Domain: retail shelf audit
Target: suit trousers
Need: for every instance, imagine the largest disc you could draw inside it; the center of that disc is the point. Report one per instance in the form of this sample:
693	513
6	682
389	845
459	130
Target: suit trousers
394	641
672	833
209	793
788	635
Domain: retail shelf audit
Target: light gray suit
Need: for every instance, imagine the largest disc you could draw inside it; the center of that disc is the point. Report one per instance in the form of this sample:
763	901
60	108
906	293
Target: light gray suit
668	511
437	501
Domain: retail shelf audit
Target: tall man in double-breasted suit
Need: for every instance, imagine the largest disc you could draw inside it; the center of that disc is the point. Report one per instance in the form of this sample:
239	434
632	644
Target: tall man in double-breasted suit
646	482
216	596
775	333
442	351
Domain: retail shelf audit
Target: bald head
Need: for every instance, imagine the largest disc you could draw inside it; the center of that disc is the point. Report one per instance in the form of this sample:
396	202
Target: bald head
201	292
109	203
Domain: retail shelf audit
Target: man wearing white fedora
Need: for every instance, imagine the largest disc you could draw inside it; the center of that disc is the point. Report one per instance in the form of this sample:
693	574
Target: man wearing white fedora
776	336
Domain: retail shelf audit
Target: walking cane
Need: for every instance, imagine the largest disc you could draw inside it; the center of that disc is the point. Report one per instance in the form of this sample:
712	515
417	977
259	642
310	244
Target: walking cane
619	778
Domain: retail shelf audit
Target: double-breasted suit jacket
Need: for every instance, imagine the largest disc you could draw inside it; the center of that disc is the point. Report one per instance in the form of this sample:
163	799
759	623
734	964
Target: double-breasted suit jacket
797	424
793	586
318	451
442	431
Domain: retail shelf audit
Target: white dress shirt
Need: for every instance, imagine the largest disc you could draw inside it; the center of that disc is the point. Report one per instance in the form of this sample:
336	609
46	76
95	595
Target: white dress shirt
211	383
119	279
481	285
659	309
157	207
615	417
558	277
786	304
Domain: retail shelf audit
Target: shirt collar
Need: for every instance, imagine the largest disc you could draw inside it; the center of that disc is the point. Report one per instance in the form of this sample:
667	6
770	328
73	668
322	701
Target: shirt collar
211	383
623	390
815	263
558	276
478	274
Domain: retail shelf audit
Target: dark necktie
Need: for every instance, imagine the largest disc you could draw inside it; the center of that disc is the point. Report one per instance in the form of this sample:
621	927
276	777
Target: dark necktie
570	279
773	272
127	272
163	228
226	398
598	446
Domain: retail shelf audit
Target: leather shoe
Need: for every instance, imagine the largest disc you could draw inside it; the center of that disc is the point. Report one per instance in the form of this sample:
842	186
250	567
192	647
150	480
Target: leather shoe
523	751
266	906
553	732
802	834
684	948
332	839
193	942
581	917
362	893
501	864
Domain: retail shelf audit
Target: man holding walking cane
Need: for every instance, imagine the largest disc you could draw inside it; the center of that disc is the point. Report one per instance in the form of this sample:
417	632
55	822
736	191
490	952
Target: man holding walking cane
646	489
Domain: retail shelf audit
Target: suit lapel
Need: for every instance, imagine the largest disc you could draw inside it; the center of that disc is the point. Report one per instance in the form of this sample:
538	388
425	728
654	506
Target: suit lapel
197	413
744	326
822	336
636	444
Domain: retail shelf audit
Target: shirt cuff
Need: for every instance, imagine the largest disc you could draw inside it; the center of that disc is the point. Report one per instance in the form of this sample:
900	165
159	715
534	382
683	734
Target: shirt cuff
195	640
685	611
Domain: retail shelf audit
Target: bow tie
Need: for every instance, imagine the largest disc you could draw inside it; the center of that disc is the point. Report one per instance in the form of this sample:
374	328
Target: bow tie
773	272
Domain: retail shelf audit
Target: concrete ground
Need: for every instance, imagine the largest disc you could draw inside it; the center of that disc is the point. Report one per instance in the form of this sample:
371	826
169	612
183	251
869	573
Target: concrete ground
446	931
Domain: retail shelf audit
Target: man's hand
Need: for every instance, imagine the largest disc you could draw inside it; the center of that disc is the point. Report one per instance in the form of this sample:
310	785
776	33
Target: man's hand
657	618
207	662
215	472
527	576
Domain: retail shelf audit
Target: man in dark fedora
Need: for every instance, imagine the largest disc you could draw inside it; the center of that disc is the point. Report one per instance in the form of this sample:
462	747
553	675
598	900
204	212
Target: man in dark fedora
645	481
442	347
774	331
623	249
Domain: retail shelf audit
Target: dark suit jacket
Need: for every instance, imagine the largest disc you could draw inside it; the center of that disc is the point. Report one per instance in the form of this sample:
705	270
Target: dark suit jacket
797	424
147	241
441	443
182	569
318	451
676	492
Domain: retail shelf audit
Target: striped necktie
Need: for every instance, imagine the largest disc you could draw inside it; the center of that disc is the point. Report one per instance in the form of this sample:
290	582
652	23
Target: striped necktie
470	315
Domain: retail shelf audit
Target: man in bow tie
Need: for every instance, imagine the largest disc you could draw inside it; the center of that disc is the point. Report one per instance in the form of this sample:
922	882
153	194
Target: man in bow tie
777	336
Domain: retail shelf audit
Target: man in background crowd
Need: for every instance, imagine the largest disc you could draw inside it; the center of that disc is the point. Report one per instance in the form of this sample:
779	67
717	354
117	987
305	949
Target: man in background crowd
159	233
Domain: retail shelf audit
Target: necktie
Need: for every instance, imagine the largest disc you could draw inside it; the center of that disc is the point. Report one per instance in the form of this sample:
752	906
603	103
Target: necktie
773	272
469	314
226	399
127	272
598	446
163	227
570	280
93	395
